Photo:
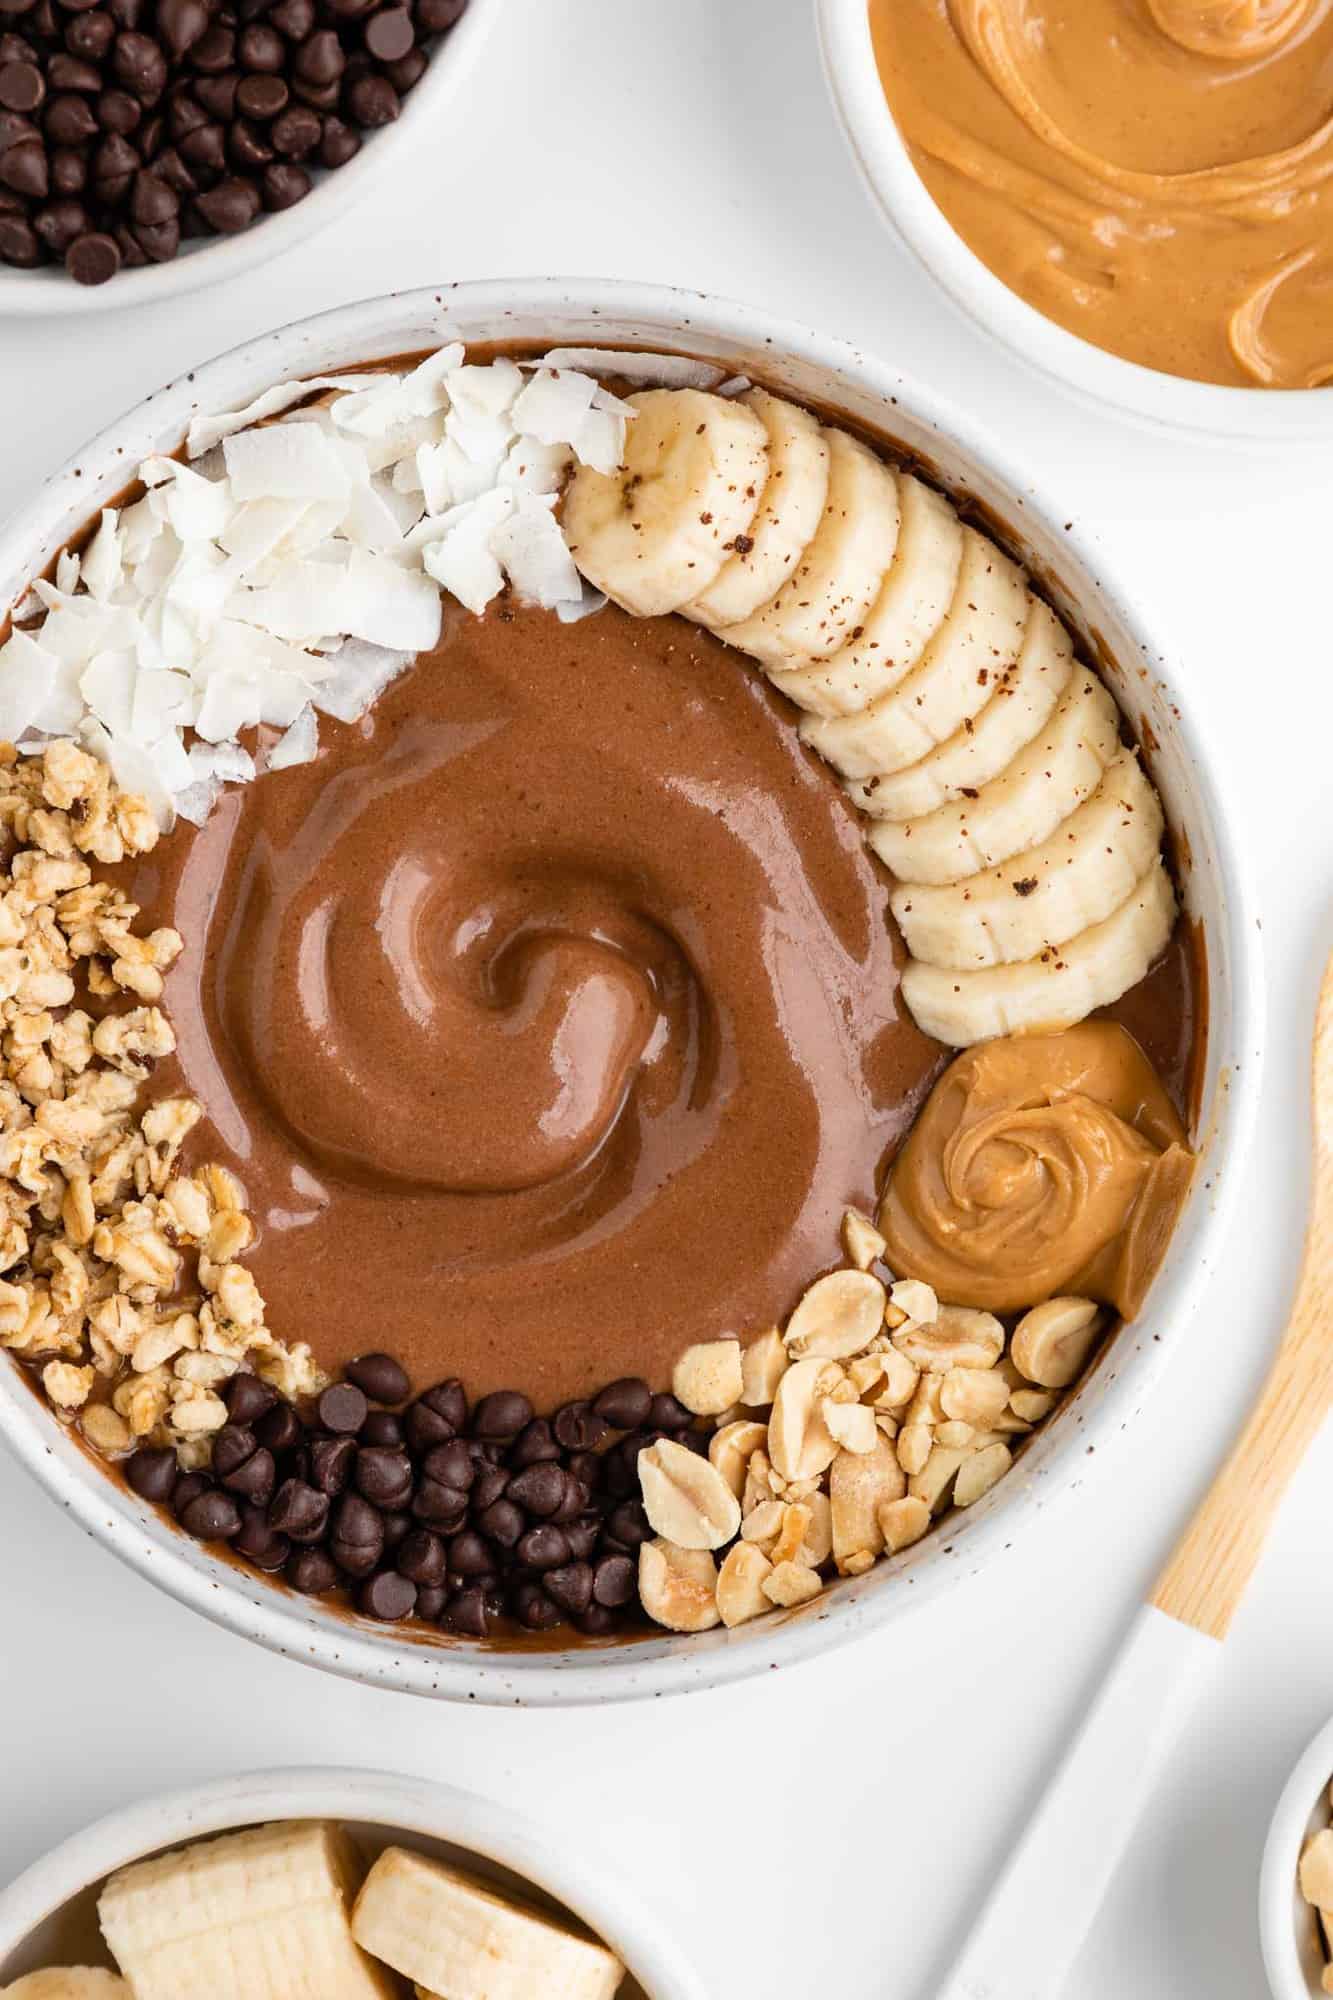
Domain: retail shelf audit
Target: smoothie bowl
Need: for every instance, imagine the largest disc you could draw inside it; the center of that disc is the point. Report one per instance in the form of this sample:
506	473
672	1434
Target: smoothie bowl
628	993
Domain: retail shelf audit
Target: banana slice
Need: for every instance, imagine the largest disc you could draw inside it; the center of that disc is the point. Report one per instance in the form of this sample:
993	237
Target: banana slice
658	530
842	570
1023	702
450	1936
902	621
67	1982
976	645
254	1913
1047	894
789	512
1054	989
1043	785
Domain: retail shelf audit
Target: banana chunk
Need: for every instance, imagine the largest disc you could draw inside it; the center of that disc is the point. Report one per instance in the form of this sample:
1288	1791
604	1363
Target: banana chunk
659	529
1023	701
978	643
904	618
457	1940
1047	894
789	512
259	1912
842	570
68	1982
1055	989
1042	786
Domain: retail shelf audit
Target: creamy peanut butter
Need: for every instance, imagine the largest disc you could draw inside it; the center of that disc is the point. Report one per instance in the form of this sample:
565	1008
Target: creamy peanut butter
1152	174
1041	1164
549	1019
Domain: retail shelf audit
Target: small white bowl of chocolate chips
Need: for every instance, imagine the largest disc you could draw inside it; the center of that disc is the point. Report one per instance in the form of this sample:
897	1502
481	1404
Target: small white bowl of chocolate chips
623	1041
350	1885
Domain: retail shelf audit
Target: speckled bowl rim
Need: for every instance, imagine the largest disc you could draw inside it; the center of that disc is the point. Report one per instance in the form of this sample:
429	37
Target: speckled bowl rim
49	293
1078	578
584	1881
1159	401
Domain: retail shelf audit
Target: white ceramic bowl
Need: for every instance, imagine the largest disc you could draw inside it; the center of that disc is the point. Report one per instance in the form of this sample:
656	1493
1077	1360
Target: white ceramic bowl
828	373
1288	1928
206	260
1275	417
48	1914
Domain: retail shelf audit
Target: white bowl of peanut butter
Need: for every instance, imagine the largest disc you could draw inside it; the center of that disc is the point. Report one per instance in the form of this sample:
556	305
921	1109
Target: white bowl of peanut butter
1216	1069
1130	194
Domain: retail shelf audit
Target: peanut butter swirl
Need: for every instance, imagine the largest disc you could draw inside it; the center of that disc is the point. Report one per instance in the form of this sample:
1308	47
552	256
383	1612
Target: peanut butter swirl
1041	1164
1153	174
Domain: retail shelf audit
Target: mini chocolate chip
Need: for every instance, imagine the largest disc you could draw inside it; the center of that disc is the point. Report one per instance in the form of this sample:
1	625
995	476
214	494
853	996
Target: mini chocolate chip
534	1445
629	1524
540	1489
263	97
93	259
543	1548
181	23
576	1499
431	1600
119	113
666	1414
15	127
435	17
407	72
373	101
596	1622
342	1409
296	132
382	1378
174	171
299	1510
255	1478
421	1556
262	48
466	1612
624	1404
217	94
293	18
90	36
533	1608
586	1466
338	143
397	1527
320	58
389	34
444	1507
452	1464
383	1475
24	168
231	1447
152	1473
22	87
69	171
569	1586
491	1482
205	148
437	1416
247	1398
60	223
257	1541
614	1582
211	1517
382	1427
582	1536
139	65
246	148
160	240
185	115
312	1572
331	1463
66	72
151	200
356	1559
501	1415
355	1520
69	120
215	51
188	1487
279	1428
501	1522
469	1555
388	1596
578	1427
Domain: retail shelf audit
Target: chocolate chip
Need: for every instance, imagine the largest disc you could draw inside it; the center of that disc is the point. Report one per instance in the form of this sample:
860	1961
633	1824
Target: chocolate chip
299	1510
263	97
582	1536
355	1520
342	1409
389	34
312	1572
437	1416
373	101
383	1379
262	48
435	17
66	72
69	120
338	144
181	23
501	1415
431	1600
421	1557
466	1613
614	1582
501	1522
22	87
280	1429
151	200
211	1517
257	1542
217	94
570	1587
629	1524
388	1596
293	18
624	1404
356	1559
533	1608
296	133
93	259
205	148
231	1447
543	1548
255	1478
118	112
382	1427
452	1464
174	171
215	51
534	1445
24	168
491	1481
666	1414
331	1463
159	240
383	1475
540	1489
444	1507
59	223
469	1555
247	1398
596	1622
578	1427
407	72
90	35
139	65
397	1527
69	171
152	1472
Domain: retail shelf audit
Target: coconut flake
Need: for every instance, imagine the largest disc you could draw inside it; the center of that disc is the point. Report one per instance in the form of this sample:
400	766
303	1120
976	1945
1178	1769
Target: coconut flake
600	440
554	405
285	462
360	676
585	606
103	559
660	371
28	678
299	745
535	557
205	432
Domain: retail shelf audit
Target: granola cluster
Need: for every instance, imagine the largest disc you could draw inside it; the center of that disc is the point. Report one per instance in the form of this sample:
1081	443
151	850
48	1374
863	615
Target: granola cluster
840	1438
119	1272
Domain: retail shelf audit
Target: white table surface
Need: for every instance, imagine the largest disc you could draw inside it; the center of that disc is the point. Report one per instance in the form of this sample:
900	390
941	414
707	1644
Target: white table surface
823	1831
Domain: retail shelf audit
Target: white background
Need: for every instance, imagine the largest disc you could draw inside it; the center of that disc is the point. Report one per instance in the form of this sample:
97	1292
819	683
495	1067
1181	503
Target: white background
826	1830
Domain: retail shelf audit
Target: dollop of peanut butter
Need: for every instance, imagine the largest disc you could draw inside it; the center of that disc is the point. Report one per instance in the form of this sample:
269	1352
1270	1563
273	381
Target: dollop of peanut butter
1153	174
1041	1164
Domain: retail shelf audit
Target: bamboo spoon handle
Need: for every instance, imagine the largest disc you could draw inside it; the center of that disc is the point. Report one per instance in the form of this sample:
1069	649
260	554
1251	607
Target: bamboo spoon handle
1036	1918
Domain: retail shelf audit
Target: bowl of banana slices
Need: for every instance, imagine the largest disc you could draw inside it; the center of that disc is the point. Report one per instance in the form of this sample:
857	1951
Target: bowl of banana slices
974	821
336	1884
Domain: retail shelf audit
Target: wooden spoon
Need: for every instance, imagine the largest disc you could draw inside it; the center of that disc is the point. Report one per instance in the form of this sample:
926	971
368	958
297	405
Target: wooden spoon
1036	1919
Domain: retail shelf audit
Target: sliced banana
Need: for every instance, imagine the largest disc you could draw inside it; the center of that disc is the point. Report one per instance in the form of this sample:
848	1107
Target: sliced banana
659	529
904	618
1042	786
842	570
1047	894
67	1982
789	512
1022	703
1054	989
977	644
